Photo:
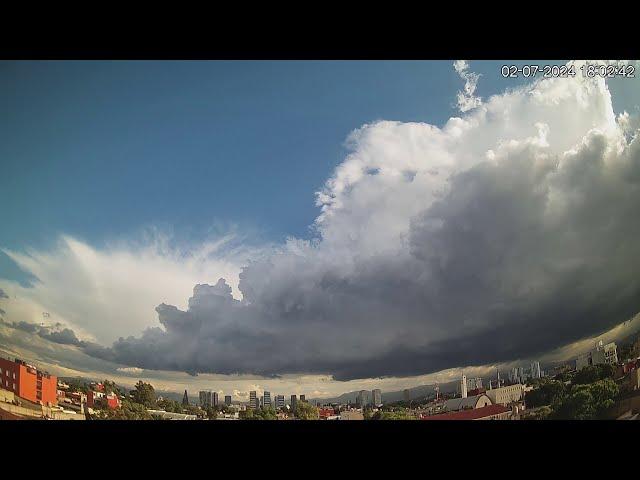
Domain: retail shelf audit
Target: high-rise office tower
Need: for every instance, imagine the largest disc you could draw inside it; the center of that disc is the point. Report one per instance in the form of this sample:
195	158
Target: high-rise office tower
214	399
535	370
227	400
303	398
406	394
361	399
266	400
205	397
294	402
253	399
185	399
280	402
376	396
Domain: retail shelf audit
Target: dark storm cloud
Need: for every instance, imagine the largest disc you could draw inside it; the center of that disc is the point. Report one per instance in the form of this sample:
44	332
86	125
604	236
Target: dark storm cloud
65	336
524	254
56	333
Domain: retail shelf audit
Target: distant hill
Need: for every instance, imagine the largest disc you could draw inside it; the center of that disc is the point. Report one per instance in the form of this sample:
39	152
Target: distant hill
388	397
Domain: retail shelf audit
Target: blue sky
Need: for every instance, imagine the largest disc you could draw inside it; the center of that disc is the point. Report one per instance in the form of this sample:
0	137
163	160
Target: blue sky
100	149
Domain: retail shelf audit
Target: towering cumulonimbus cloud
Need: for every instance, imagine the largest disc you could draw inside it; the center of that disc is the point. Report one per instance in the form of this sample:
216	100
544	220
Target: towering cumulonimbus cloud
505	233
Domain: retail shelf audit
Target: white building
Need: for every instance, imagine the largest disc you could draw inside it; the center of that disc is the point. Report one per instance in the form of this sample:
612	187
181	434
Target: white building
602	354
266	400
506	395
463	386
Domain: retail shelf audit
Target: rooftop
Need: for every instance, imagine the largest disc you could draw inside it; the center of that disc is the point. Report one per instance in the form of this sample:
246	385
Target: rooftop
472	414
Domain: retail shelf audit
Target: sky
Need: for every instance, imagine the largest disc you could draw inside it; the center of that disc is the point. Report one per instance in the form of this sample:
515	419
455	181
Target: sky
311	225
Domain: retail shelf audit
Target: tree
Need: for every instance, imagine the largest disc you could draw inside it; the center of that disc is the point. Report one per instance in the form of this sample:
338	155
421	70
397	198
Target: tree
193	410
169	405
587	402
128	411
593	373
246	414
626	351
78	385
548	392
397	414
212	413
144	394
111	387
541	413
306	411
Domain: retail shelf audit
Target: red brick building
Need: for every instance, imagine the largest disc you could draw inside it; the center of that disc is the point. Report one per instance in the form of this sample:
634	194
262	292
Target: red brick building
325	412
27	382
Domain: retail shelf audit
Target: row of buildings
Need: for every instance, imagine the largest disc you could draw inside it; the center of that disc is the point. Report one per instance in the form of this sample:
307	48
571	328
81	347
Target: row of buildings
209	398
278	402
522	374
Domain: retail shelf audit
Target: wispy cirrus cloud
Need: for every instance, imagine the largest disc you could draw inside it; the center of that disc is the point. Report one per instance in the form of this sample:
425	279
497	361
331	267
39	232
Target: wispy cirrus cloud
467	99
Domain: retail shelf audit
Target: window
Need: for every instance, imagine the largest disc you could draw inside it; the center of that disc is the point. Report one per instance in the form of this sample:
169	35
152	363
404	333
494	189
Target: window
14	386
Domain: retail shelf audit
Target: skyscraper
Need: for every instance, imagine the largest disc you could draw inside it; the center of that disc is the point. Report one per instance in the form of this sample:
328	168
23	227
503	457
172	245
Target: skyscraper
266	400
185	399
214	399
205	398
280	403
535	370
463	386
227	400
376	397
253	399
303	398
361	400
406	394
294	402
